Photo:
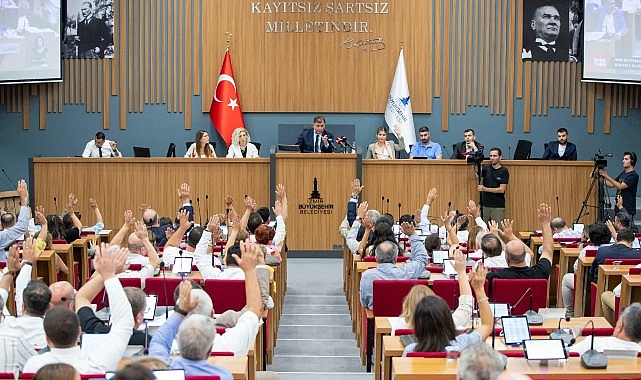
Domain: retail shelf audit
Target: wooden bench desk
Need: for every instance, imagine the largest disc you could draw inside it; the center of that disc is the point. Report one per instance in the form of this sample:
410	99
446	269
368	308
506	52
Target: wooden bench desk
582	286
567	257
608	278
45	267
81	255
630	290
65	252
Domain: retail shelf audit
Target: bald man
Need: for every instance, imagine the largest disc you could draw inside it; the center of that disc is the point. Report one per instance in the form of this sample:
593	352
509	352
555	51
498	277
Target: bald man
152	221
62	294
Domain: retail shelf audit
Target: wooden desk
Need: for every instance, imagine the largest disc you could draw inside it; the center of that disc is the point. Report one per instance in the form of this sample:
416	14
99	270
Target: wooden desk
567	257
81	256
607	273
524	235
630	290
46	267
66	255
582	285
237	365
439	368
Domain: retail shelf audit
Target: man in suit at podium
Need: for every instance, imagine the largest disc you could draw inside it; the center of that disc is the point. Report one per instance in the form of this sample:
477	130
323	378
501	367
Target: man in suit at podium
316	140
560	149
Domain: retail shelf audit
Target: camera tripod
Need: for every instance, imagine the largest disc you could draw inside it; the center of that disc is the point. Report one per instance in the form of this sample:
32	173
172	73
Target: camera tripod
597	180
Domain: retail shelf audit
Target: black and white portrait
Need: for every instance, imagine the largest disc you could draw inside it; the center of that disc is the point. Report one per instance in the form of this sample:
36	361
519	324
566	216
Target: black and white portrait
89	29
546	31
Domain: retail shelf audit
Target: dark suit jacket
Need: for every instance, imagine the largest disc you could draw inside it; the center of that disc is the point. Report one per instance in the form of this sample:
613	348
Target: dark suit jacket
306	141
459	149
93	34
616	251
552	152
560	53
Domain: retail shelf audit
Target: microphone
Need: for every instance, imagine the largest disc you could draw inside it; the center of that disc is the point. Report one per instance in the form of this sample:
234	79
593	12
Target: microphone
592	359
533	318
10	180
345	141
55	202
445	150
493	325
164	287
399	212
567	338
509	151
382	200
449	204
558	209
206	207
387	206
200	214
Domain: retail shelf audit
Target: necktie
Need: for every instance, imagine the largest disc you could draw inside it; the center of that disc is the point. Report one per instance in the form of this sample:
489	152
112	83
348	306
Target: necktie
100	151
317	144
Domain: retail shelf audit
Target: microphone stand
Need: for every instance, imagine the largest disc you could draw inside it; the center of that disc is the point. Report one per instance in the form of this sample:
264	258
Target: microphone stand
592	359
164	286
533	318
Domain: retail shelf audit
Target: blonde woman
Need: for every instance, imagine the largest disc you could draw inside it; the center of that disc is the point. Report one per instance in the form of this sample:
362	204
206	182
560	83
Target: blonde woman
240	145
201	148
406	319
384	149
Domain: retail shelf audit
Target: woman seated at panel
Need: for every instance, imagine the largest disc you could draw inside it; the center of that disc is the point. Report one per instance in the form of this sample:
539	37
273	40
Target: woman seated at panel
385	149
201	148
434	328
240	145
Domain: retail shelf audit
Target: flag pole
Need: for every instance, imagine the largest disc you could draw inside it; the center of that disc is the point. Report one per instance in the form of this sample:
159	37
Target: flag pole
228	38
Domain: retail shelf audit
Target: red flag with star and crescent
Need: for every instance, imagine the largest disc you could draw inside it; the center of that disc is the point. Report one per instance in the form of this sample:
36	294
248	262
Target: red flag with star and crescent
225	110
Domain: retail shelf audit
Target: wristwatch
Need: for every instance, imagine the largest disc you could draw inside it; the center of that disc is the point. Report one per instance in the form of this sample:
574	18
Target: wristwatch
180	311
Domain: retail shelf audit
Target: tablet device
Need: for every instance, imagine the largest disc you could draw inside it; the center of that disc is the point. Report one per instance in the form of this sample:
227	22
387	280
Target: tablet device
150	307
500	310
515	329
182	264
169	374
544	349
439	256
448	268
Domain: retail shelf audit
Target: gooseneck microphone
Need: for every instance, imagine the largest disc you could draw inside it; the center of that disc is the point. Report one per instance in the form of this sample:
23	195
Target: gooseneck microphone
200	215
6	175
382	200
387	211
533	318
558	209
164	287
399	213
55	203
592	359
567	338
207	207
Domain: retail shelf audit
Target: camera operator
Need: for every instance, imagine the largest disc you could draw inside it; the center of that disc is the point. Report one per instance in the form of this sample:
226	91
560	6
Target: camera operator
626	183
493	186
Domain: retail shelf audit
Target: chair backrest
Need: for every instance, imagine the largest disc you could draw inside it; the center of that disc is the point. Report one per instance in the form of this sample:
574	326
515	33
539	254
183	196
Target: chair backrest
591	252
567	239
202	377
257	145
439	354
226	294
135	266
388	296
635	270
399	259
141	152
624	261
511	290
598	331
523	150
289	148
171	151
134	282
448	290
399	332
161	286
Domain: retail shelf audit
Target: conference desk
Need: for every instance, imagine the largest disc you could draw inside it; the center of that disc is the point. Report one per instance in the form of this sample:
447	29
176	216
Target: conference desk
440	368
630	290
65	252
567	257
46	267
316	208
582	286
609	276
237	365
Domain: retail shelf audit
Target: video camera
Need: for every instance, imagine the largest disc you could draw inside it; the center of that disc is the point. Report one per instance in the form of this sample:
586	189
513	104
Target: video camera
600	161
476	157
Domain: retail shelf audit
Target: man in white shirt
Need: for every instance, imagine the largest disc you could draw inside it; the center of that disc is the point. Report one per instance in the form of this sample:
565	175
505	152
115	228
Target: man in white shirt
626	336
101	147
62	326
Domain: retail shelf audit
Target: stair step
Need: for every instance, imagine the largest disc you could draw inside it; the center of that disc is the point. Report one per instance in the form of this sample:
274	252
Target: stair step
316	319
314	331
317	347
313	363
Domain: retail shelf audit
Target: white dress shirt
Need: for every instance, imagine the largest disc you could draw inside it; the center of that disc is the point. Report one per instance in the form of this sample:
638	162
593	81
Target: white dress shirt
91	150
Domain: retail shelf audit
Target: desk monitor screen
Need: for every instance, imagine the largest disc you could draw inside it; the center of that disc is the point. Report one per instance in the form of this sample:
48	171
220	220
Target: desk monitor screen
288	148
544	349
500	310
182	264
150	307
448	268
515	329
439	256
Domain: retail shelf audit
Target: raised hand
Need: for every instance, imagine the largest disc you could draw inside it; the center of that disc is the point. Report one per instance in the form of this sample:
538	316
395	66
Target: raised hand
362	210
183	192
92	203
472	209
140	230
356	187
250	204
278	208
129	218
249	256
431	195
507	227
544	213
185	302
280	192
408	228
23	192
229	201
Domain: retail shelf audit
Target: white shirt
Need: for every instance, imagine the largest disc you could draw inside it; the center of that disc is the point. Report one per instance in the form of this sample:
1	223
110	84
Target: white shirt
239	338
191	152
104	357
144	273
235	152
137	258
14	351
461	316
603	342
91	150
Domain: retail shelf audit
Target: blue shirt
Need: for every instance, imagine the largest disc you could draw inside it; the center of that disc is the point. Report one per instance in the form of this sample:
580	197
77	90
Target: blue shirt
160	346
10	234
388	271
431	151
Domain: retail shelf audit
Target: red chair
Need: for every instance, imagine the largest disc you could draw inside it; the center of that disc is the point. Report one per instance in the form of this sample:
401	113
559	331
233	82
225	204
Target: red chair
399	332
448	290
591	252
400	259
635	270
161	287
134	282
202	377
624	261
135	267
221	353
439	354
226	294
511	290
6	375
513	353
598	331
567	240
434	268
58	241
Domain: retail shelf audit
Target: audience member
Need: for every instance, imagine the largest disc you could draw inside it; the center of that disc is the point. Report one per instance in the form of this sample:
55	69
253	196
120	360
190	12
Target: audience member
62	325
57	371
480	362
426	148
13	230
608	302
98	148
201	148
134	371
467	146
152	221
621	250
626	336
406	319
316	140
561	149
386	254
365	219
494	180
515	254
62	294
384	149
241	147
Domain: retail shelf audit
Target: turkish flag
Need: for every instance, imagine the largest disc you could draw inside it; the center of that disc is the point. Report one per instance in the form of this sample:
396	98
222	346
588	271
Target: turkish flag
225	110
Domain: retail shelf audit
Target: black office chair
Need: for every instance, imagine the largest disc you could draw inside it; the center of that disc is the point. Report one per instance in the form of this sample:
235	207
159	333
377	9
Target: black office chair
141	152
523	150
171	151
257	144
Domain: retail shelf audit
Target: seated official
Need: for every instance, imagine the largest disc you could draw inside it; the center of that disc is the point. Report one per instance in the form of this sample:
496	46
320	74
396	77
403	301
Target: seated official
433	325
386	254
561	149
467	146
240	145
426	148
196	334
515	254
201	148
626	336
152	221
62	326
101	147
384	149
316	140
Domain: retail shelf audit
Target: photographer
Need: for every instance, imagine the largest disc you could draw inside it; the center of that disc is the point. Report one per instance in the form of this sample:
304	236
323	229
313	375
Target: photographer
626	183
493	186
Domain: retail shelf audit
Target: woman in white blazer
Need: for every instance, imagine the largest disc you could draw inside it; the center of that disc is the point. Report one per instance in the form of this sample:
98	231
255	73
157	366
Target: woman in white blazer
240	145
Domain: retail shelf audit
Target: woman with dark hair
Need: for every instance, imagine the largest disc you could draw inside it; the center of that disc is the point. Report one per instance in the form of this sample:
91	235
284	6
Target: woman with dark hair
433	324
432	243
381	231
201	148
385	149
